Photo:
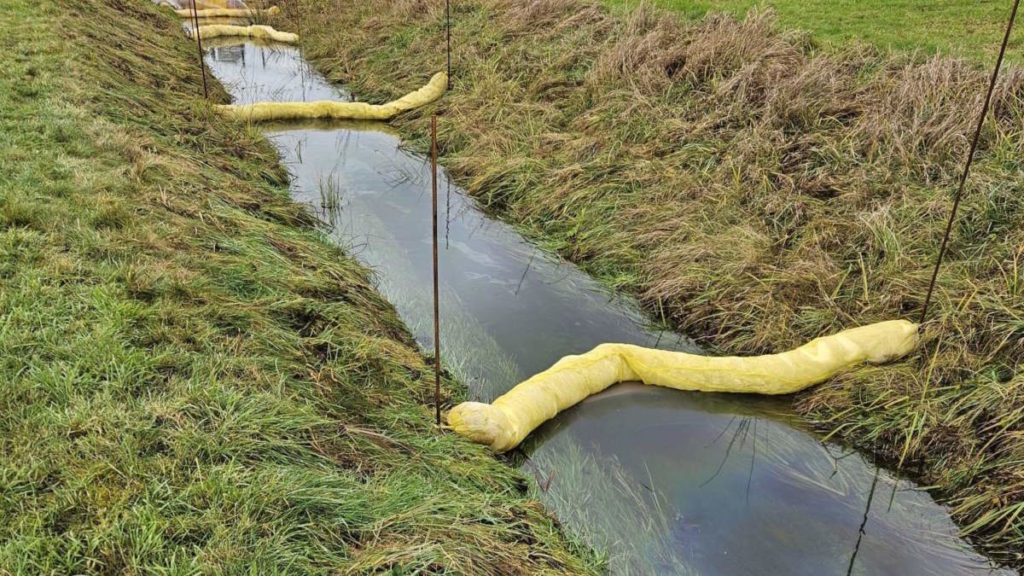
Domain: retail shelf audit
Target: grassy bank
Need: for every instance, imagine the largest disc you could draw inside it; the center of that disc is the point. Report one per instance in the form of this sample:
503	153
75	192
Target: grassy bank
950	27
194	379
752	191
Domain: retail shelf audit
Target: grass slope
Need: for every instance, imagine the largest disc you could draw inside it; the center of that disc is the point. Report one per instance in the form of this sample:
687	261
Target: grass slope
751	190
931	26
194	380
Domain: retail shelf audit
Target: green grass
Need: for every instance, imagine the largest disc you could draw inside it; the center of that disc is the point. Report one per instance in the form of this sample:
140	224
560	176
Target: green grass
752	190
953	27
194	379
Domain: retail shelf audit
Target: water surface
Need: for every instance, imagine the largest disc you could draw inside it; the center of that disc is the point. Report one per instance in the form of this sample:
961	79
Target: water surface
665	481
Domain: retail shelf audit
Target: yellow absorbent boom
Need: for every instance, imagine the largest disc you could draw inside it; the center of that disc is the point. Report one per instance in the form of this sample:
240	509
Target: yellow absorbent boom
227	12
329	109
257	31
503	424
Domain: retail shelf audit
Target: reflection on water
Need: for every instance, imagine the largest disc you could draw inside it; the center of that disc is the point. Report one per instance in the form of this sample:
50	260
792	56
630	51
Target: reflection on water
266	74
666	481
753	493
508	310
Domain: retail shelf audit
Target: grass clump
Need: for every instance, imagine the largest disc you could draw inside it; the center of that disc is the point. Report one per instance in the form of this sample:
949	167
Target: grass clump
751	190
194	379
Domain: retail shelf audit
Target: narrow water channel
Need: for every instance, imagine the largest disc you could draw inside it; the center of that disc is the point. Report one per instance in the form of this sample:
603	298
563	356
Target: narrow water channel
664	481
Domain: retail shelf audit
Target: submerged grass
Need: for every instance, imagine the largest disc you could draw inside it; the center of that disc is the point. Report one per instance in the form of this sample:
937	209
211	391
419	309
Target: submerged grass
613	502
194	379
752	191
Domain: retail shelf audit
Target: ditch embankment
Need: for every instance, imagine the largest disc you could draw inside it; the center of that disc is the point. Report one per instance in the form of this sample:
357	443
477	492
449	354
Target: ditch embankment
195	380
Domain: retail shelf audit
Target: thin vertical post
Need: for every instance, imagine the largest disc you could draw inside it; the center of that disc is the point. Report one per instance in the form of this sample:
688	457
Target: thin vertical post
437	319
448	26
199	43
970	159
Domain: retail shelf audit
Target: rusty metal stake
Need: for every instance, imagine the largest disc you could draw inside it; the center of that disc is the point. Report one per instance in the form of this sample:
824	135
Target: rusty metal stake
970	159
448	32
199	43
437	319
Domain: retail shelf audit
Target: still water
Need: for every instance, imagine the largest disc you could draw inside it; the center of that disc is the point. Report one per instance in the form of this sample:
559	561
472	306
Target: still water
663	481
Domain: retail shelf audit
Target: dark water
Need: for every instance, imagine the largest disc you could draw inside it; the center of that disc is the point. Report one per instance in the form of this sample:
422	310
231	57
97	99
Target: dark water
665	481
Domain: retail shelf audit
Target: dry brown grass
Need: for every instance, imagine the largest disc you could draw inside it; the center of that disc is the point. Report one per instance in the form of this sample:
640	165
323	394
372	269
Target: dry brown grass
752	190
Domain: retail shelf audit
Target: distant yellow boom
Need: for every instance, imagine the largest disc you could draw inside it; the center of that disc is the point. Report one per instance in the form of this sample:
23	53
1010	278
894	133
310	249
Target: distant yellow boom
329	109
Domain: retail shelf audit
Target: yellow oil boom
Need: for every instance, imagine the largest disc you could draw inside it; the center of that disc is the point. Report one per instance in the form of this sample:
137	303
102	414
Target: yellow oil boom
227	12
328	109
503	424
259	32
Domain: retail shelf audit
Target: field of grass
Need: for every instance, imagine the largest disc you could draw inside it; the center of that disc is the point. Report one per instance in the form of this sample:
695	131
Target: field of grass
751	190
951	27
194	380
